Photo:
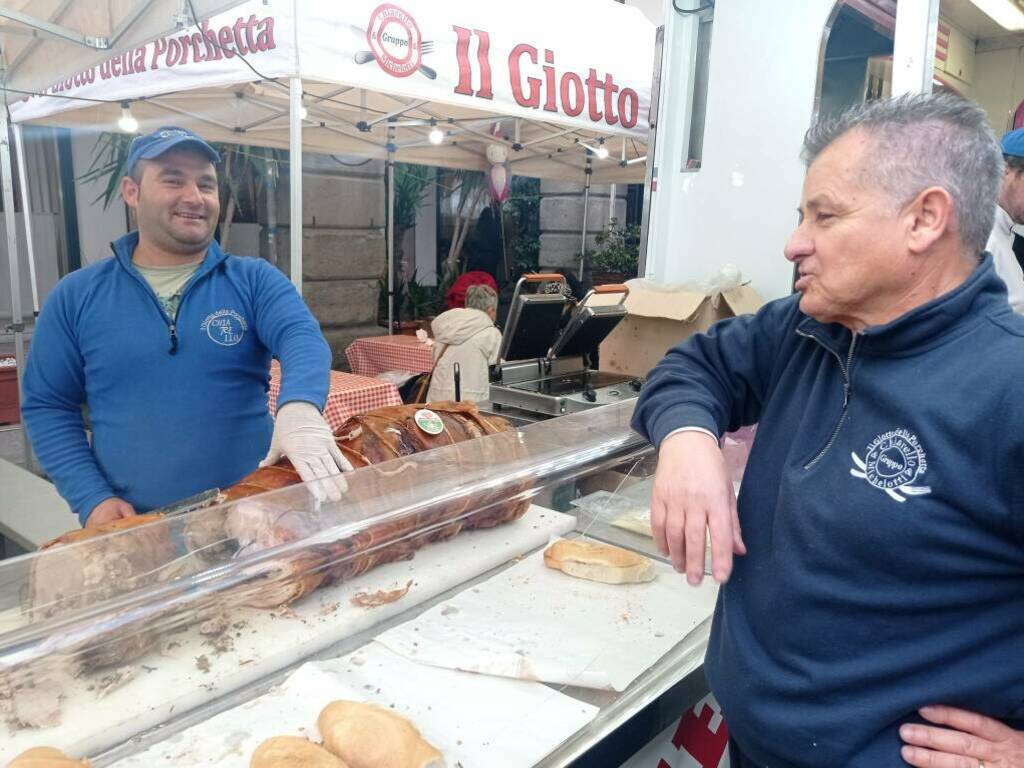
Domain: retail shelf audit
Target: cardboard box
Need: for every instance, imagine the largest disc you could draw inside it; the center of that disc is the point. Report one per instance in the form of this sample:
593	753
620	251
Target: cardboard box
658	319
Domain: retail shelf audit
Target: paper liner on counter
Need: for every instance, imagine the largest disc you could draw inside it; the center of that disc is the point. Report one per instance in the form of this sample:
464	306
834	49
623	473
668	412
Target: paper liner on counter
476	721
534	623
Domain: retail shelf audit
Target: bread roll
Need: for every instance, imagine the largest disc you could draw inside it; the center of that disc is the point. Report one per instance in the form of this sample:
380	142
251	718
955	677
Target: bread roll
367	736
293	752
46	757
598	562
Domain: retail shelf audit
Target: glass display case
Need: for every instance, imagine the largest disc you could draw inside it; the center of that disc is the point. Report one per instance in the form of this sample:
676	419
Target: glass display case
190	640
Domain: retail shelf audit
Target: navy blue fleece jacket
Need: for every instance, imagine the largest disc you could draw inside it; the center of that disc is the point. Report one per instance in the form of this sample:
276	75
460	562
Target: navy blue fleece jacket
883	513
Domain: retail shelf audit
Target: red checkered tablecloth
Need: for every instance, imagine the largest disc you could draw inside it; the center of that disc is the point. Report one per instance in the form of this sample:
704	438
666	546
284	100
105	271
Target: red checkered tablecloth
348	396
373	355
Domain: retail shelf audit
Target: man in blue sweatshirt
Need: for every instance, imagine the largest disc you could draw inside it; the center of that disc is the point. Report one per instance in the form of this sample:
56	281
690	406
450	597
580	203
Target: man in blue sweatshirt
874	614
169	343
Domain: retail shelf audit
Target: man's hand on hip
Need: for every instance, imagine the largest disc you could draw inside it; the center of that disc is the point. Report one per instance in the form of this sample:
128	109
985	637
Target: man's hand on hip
303	436
693	493
961	739
109	510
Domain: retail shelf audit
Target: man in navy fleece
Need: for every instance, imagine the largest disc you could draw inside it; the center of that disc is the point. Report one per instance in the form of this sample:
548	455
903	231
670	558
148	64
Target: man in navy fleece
169	343
874	616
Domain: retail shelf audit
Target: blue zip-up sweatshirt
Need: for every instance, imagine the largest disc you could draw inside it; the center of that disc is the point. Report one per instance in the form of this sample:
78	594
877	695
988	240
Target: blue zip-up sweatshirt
883	512
177	405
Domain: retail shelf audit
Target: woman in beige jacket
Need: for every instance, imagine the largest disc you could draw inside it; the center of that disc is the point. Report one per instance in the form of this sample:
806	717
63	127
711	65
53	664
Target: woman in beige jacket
467	337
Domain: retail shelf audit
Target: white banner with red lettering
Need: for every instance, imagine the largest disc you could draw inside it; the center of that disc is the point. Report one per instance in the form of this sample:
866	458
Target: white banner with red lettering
211	56
572	62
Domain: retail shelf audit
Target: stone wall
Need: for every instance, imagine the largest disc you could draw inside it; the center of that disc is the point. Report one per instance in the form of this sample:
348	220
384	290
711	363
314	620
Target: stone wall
561	219
343	246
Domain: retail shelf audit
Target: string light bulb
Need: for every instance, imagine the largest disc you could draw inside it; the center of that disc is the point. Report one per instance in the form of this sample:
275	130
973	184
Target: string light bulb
436	135
127	123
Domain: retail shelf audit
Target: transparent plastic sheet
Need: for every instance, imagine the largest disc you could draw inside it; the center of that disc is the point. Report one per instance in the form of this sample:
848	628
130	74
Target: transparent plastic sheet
129	591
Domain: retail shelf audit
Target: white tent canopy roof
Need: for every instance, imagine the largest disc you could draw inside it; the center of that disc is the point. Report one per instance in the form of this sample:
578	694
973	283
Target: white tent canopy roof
36	35
378	76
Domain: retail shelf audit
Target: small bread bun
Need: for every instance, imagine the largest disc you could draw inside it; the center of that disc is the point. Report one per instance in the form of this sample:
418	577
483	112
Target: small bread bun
598	562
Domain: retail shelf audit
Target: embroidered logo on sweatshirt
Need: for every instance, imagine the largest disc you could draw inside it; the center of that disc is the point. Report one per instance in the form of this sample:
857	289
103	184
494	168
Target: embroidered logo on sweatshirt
893	462
225	327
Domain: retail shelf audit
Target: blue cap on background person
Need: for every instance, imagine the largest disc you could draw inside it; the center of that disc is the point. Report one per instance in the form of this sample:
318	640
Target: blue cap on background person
163	139
1013	143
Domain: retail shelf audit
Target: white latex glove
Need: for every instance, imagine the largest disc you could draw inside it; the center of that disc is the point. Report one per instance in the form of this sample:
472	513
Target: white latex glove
303	436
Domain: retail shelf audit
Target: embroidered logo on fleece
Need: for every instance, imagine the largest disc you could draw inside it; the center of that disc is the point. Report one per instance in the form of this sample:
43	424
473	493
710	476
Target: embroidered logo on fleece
893	462
225	327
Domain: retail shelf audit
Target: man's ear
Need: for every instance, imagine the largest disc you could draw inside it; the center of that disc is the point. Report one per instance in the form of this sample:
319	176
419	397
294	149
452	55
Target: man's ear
130	191
930	216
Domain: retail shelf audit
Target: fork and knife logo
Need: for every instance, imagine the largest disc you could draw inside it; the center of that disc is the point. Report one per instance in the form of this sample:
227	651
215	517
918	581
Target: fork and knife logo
395	43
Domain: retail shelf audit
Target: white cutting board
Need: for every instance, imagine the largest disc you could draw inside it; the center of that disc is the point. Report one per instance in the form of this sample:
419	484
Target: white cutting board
168	680
535	623
476	721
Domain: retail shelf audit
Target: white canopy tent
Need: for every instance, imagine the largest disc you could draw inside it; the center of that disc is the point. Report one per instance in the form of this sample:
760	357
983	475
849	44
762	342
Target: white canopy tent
559	68
563	87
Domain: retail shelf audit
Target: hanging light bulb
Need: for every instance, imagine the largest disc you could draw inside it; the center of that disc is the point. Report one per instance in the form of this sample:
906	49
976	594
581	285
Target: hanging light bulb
602	152
436	135
127	123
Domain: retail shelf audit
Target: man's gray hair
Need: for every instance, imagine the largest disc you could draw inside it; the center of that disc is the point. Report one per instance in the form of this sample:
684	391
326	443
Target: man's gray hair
922	141
481	297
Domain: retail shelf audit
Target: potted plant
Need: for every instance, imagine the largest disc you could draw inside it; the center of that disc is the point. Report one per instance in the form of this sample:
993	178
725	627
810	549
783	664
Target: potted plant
617	256
422	302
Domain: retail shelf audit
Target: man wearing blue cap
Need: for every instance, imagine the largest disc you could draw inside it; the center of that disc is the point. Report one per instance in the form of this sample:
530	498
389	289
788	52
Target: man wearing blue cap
1010	212
169	343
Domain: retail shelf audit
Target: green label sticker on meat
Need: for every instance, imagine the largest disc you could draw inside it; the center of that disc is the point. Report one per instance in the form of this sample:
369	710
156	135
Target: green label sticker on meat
429	422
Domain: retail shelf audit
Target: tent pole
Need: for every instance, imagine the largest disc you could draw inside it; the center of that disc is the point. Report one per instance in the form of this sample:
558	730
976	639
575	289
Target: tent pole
26	210
295	176
586	205
390	228
17	325
272	211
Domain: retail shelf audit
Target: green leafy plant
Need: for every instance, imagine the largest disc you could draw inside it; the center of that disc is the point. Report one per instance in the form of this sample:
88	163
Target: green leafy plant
412	183
421	301
463	195
109	164
618	249
243	173
522	225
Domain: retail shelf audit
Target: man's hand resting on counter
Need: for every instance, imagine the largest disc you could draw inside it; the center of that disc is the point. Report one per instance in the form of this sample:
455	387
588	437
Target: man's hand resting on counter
109	510
693	493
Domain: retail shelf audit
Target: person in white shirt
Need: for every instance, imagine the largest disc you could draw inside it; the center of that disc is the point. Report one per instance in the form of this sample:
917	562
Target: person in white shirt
466	336
1009	212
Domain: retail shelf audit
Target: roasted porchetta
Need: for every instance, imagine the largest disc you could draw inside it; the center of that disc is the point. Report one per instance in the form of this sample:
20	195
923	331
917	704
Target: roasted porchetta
254	523
103	566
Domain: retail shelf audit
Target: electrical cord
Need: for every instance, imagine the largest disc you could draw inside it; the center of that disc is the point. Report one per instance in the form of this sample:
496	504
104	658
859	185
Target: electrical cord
339	161
683	12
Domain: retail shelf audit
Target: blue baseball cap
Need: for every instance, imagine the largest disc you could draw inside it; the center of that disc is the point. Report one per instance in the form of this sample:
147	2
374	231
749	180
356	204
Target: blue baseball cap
1013	143
163	139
